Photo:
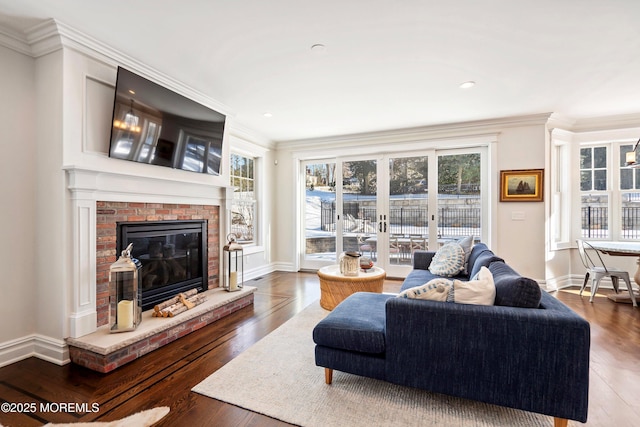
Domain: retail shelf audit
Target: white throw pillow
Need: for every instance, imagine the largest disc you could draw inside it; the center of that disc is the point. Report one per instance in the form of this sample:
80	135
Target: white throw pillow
448	261
480	290
434	290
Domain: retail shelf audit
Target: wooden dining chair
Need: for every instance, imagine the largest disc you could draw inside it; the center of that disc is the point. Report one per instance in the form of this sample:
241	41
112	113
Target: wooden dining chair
417	243
597	270
395	248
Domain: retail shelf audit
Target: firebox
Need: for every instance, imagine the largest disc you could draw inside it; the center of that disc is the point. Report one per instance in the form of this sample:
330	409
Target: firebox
173	255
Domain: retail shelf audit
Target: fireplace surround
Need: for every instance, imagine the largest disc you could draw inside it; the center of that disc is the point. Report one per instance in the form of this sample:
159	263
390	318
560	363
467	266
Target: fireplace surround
109	214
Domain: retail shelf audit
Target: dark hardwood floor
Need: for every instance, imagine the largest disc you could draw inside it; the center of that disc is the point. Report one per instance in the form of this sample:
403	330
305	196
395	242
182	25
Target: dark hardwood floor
165	377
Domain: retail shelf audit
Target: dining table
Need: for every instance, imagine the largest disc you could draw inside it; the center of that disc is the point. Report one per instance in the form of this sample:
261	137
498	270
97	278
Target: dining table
621	248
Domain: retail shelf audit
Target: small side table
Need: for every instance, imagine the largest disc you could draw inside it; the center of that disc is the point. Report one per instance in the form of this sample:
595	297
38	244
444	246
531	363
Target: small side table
335	287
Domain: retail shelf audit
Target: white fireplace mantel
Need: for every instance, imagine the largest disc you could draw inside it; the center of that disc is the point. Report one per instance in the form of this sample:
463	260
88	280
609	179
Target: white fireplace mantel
86	187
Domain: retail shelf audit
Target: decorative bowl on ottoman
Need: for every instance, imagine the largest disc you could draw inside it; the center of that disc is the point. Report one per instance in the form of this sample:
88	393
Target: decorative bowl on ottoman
365	263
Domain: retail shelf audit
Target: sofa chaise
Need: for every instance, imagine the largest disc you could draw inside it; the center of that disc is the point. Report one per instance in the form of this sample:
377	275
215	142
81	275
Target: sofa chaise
527	351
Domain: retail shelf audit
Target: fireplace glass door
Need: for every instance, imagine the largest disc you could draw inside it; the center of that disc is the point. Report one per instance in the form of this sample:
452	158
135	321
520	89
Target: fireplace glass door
172	254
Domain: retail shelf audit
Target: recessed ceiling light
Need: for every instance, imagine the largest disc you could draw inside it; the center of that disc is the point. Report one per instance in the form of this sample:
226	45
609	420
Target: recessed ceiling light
467	85
268	114
318	48
132	92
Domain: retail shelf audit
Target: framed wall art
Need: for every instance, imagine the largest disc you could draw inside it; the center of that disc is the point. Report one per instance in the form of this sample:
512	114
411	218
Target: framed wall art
524	185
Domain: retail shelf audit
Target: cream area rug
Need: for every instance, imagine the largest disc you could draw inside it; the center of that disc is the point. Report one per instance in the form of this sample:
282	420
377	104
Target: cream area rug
278	377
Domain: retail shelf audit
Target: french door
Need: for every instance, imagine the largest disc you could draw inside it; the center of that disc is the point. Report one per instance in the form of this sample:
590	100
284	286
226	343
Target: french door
340	209
390	205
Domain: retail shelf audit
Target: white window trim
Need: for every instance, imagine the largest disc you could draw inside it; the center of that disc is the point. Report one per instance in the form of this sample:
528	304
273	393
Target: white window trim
561	189
613	139
258	153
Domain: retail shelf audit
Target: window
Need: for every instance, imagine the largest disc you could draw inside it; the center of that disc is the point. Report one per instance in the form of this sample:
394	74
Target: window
561	186
610	193
630	195
595	199
243	206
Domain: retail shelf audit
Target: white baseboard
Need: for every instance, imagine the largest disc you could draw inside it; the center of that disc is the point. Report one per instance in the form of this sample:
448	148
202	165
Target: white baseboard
40	346
576	280
560	282
284	266
253	273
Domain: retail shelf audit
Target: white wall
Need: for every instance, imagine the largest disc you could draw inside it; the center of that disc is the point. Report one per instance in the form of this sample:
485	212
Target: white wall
52	222
18	190
521	242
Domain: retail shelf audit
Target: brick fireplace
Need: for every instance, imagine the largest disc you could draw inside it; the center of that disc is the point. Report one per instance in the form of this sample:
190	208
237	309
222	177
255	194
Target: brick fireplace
109	213
102	197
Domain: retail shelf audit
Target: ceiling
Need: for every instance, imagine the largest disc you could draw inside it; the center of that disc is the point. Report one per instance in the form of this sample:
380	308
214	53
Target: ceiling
387	64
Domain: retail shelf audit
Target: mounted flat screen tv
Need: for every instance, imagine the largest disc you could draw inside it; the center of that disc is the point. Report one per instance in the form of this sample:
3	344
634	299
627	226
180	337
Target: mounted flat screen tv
154	125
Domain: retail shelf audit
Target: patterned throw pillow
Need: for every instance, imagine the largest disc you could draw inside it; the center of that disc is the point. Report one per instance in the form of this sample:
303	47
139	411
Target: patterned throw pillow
480	290
448	260
435	290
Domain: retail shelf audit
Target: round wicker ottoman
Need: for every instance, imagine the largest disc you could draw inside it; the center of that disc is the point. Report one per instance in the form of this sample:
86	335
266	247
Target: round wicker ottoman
335	287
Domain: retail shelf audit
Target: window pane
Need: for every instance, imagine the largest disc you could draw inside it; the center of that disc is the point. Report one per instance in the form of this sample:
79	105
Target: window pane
630	216
600	180
585	181
626	179
244	203
459	196
595	216
242	221
600	157
585	158
250	168
320	212
408	209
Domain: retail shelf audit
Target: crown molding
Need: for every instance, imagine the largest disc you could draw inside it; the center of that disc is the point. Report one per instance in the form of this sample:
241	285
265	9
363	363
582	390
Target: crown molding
558	121
52	35
14	41
622	121
239	131
560	134
595	124
434	132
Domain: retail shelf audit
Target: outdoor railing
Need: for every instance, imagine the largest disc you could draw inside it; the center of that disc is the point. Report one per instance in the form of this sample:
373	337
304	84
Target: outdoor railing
595	222
406	221
463	221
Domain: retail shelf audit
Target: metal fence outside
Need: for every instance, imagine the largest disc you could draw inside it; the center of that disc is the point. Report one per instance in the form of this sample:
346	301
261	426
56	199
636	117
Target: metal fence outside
457	221
595	222
406	221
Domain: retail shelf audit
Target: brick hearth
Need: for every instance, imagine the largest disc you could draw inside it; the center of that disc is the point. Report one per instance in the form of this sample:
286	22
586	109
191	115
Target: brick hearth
103	351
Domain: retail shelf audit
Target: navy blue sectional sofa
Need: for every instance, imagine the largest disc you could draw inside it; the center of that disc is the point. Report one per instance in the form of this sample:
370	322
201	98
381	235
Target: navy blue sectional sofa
529	351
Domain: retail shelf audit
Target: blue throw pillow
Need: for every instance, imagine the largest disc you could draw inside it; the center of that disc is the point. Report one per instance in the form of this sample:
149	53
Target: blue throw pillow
512	289
484	259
